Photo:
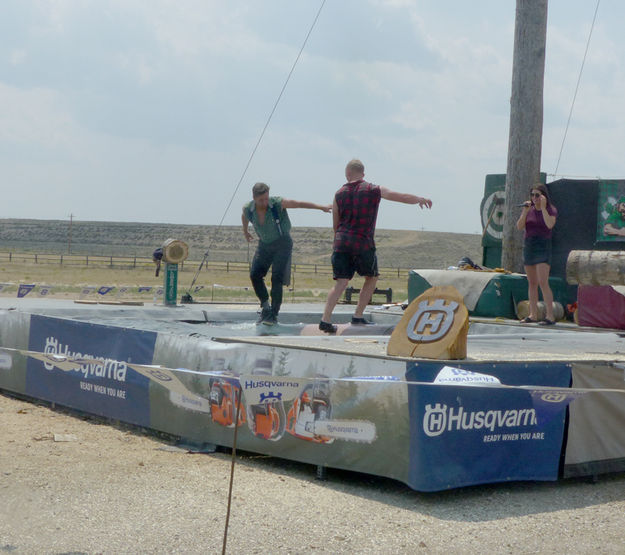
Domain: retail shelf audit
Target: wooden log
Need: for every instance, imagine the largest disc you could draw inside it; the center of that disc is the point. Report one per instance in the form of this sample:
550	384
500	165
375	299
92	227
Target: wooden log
596	268
523	310
175	251
435	325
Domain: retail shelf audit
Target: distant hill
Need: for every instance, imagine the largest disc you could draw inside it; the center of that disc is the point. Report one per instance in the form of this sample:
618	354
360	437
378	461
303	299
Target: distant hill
396	248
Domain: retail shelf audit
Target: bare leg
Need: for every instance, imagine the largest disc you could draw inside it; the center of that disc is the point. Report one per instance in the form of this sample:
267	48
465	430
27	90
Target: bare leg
366	292
532	290
542	274
333	297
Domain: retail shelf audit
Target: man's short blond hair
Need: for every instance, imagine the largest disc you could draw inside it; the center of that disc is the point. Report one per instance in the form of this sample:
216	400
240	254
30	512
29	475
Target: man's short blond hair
355	166
260	189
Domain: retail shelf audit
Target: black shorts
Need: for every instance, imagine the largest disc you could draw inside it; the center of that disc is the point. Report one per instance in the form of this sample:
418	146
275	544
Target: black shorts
345	264
537	250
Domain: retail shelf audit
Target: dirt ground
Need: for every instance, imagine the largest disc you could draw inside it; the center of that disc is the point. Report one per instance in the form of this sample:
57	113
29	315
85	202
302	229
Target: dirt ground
73	485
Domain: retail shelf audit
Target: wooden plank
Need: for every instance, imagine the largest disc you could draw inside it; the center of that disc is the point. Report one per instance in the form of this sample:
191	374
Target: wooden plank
550	346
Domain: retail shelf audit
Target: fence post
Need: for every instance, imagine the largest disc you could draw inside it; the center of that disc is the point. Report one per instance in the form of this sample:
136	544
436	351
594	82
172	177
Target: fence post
61	260
227	266
87	260
35	259
10	256
134	263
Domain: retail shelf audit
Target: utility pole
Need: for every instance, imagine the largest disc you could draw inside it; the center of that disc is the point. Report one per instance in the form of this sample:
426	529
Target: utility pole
526	121
69	237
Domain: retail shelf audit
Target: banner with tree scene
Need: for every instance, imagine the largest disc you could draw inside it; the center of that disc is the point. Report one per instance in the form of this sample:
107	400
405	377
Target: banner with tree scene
611	211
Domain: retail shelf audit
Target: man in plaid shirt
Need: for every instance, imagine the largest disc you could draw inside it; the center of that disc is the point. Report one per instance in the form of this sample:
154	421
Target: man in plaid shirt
354	213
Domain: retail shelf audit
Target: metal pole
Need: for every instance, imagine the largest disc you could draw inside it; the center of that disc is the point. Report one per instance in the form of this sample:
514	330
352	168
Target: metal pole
69	239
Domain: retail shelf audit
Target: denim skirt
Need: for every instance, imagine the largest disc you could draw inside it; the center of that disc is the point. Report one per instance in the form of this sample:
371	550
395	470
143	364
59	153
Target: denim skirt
537	250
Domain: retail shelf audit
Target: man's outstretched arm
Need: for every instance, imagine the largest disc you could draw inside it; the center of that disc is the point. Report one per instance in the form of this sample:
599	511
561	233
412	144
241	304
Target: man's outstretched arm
406	198
287	203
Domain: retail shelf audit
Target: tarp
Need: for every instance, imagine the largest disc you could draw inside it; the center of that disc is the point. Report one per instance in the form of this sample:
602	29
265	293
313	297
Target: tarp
469	284
601	306
487	294
596	436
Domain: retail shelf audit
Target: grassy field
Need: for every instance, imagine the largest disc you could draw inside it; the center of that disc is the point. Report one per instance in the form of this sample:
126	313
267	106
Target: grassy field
68	282
398	252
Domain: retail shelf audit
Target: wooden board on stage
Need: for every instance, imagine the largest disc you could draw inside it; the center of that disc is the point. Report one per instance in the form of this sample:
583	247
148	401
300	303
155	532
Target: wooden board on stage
349	329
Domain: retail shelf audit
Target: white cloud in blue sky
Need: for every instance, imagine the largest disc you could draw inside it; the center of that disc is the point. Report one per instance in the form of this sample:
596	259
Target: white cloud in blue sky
149	110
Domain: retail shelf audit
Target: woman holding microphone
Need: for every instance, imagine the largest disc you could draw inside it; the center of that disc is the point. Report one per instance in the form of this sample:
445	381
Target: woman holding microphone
537	219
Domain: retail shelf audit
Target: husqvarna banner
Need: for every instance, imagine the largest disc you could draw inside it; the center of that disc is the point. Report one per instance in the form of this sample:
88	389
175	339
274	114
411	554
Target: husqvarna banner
321	408
465	435
99	380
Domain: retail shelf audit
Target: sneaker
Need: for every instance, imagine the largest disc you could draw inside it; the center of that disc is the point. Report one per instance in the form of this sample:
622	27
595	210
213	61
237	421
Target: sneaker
270	320
265	313
327	327
360	321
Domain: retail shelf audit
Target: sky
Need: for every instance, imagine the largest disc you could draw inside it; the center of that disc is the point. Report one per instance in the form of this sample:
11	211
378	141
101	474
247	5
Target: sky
150	110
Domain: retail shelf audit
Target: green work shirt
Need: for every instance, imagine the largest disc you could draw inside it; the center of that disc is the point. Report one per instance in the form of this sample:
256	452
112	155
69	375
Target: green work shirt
268	232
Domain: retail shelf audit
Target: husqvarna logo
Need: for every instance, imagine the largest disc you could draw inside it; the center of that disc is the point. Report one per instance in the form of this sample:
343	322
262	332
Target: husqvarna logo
158	374
270	397
435	420
436	318
441	418
553	397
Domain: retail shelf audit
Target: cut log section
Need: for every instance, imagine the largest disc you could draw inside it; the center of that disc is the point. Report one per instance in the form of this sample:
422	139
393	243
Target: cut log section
596	268
435	325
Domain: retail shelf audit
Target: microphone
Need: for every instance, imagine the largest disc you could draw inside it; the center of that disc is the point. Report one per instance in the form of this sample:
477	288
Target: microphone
523	204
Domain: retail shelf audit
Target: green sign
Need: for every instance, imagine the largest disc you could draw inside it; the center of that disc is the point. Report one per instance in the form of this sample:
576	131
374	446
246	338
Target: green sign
171	284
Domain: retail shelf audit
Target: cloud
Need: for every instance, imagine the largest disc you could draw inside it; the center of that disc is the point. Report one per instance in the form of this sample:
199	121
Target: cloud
135	102
34	119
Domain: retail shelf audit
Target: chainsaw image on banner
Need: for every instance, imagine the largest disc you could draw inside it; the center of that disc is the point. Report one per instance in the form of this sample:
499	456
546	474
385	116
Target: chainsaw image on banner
223	397
266	417
310	406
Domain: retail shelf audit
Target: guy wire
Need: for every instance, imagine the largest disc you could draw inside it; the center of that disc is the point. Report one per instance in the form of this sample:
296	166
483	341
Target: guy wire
260	138
579	78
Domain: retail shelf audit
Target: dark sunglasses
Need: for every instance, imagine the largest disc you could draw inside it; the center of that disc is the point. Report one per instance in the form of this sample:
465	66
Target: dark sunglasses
535	195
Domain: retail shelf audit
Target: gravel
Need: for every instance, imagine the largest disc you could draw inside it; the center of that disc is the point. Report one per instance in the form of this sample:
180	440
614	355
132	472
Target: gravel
72	484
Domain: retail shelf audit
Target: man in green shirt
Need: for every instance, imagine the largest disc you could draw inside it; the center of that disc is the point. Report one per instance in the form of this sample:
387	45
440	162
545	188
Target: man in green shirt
271	223
614	224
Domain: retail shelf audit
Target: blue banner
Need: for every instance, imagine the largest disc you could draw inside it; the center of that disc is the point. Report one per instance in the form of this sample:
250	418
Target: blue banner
105	289
463	435
107	387
24	289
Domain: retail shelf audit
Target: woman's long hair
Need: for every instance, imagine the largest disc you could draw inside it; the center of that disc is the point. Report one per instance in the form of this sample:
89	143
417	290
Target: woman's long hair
543	190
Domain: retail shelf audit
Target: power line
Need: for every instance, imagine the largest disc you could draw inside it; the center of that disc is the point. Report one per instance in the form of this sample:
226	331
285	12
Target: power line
579	78
260	138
